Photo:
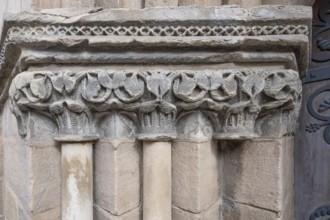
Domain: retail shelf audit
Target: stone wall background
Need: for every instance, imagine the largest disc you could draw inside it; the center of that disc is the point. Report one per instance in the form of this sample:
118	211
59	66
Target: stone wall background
41	172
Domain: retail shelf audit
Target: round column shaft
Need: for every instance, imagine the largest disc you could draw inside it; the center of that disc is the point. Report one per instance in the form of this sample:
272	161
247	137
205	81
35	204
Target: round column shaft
157	180
77	181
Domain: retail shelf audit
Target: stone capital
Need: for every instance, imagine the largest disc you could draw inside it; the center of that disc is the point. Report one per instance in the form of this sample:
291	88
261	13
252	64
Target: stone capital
156	66
156	100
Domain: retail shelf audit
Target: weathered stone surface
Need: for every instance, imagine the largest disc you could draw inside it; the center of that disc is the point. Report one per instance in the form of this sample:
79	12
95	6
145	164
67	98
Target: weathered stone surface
242	3
101	214
200	2
84	94
119	3
195	127
240	211
288	2
195	185
77	180
212	213
38	5
45	177
237	211
251	3
17	169
173	68
35	163
160	3
70	12
117	175
11	206
77	3
117	126
50	214
266	169
157	193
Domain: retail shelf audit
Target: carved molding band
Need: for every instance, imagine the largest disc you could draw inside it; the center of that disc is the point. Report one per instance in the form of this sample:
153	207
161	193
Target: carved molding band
156	99
165	31
158	31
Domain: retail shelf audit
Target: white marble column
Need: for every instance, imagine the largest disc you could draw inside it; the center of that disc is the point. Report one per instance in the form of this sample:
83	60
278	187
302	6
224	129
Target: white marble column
157	180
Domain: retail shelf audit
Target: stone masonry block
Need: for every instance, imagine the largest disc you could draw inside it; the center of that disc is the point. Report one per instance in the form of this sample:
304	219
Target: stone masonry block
238	211
243	3
160	3
77	3
32	167
101	214
200	2
119	3
45	177
117	178
259	176
195	184
51	214
17	167
11	206
212	213
39	5
288	2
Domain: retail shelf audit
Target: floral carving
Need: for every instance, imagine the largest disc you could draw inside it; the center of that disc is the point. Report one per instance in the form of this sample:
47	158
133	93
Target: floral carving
223	86
191	87
155	98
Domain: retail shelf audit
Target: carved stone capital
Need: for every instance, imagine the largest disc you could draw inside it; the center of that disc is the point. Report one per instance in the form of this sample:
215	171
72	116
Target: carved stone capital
156	99
158	66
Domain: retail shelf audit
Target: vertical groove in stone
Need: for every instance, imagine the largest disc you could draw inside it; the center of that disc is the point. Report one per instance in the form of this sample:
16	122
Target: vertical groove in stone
160	3
157	199
119	3
200	2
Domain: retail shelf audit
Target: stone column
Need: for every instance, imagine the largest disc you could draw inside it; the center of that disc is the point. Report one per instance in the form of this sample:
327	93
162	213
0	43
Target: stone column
157	199
76	134
157	129
77	178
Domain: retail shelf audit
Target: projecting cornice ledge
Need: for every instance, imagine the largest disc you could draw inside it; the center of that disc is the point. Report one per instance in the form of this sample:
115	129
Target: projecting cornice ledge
240	68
